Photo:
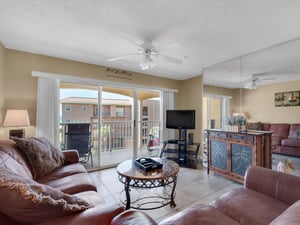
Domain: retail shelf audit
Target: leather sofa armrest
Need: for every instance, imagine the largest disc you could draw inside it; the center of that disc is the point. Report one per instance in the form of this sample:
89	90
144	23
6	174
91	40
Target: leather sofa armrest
71	155
98	215
133	217
290	216
278	185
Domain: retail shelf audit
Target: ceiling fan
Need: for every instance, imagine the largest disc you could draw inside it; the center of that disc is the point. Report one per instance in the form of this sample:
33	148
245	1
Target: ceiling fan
251	84
148	52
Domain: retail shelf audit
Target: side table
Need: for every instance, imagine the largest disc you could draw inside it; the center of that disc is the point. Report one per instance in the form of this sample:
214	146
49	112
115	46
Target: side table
134	178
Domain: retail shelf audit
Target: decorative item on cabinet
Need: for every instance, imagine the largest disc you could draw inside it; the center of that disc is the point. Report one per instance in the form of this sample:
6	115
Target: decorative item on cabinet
236	123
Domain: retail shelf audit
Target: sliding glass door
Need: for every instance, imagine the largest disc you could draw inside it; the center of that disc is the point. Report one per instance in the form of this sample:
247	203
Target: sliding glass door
109	125
79	128
149	122
116	122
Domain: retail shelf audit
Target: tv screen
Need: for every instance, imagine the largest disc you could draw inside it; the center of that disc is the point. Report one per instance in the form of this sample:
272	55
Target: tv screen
180	119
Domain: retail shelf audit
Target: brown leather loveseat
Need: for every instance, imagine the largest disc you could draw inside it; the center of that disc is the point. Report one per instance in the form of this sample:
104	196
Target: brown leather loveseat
267	197
285	137
65	195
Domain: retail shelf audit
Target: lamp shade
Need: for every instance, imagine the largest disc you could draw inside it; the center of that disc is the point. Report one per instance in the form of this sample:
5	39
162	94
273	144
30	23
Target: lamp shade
16	118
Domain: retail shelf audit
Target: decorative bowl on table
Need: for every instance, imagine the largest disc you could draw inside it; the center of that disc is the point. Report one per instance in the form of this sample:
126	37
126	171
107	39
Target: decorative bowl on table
147	164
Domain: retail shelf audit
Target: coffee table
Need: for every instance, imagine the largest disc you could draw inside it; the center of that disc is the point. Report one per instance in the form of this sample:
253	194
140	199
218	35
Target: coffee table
164	179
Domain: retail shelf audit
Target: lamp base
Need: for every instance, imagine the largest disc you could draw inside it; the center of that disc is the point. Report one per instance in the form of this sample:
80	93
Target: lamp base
20	133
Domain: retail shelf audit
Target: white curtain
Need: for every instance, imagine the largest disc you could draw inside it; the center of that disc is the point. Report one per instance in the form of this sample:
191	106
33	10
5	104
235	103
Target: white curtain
168	103
47	120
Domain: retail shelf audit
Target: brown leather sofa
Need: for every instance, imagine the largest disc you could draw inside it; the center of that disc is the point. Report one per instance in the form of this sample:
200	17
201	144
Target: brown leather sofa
285	137
70	181
267	197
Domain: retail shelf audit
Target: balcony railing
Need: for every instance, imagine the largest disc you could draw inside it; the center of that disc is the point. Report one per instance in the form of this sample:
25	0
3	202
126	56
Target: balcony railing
117	135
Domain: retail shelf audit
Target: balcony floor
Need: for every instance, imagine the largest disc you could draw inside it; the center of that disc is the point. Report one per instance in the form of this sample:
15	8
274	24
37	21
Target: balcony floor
114	157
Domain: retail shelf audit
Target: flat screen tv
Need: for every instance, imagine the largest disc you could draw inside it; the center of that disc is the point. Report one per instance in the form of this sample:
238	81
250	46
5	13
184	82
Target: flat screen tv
180	119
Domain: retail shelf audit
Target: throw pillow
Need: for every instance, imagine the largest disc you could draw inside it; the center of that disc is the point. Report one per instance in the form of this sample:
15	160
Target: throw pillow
29	202
42	156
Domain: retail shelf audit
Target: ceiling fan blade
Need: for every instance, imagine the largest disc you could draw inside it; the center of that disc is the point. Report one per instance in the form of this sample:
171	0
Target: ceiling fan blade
124	56
270	78
170	59
173	44
132	41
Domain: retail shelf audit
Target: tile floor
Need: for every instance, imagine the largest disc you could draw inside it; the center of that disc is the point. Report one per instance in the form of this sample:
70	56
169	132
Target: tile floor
194	185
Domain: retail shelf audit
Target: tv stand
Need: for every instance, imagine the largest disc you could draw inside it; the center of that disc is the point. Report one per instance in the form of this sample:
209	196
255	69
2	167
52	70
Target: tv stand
185	154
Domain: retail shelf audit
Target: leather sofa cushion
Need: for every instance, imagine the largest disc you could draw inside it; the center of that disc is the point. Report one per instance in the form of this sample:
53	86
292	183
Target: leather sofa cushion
280	129
294	131
98	215
266	126
12	159
72	184
5	220
276	140
292	142
133	217
29	202
92	197
262	208
64	171
290	216
43	157
199	214
272	183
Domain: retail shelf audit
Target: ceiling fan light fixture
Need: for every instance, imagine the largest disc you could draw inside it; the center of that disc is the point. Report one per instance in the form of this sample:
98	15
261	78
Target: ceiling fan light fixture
148	51
251	85
147	63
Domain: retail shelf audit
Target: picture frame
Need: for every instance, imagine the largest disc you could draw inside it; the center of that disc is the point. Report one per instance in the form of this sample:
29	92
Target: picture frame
284	99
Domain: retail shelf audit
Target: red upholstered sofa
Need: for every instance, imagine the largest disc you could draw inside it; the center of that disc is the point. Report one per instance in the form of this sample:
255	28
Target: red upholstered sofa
268	197
285	137
70	181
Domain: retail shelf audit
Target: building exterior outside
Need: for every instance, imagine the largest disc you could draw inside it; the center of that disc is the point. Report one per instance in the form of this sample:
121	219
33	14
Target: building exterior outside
116	131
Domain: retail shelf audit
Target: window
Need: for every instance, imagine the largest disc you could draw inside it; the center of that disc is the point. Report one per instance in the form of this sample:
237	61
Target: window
67	121
84	108
96	111
120	111
145	111
68	108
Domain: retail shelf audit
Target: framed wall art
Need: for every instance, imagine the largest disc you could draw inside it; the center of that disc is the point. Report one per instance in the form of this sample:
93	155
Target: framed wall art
291	98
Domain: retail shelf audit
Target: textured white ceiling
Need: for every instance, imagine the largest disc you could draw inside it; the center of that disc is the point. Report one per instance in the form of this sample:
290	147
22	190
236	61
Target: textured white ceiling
207	32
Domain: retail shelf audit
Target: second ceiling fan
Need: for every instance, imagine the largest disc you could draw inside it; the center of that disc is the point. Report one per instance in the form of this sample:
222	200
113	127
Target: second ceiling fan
149	53
252	83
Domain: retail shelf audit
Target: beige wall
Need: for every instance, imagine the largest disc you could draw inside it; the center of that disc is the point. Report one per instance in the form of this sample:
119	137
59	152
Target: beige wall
234	93
20	89
2	63
191	98
259	104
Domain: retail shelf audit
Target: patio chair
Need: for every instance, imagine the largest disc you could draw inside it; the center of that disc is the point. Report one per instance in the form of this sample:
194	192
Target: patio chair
78	136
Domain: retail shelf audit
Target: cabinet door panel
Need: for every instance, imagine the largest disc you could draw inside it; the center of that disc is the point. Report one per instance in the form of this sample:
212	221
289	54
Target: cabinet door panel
218	151
241	158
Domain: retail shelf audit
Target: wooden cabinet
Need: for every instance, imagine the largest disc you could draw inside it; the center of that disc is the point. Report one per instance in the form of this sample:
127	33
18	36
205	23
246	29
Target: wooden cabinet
231	153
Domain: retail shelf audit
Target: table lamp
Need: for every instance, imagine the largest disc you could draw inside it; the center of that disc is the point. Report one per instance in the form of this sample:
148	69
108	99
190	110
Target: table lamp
16	118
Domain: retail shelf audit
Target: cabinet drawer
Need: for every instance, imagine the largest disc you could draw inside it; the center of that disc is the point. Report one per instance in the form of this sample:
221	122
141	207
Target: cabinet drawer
221	135
242	138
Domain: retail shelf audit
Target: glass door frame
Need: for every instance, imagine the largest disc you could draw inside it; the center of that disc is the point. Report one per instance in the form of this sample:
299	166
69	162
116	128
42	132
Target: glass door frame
224	108
135	118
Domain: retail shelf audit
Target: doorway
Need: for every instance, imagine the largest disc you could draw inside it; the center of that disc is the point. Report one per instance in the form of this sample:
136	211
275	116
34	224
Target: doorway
111	115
